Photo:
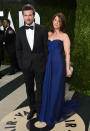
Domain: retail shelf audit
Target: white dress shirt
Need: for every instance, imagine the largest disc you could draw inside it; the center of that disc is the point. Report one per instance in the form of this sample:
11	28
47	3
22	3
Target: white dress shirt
6	29
1	28
30	35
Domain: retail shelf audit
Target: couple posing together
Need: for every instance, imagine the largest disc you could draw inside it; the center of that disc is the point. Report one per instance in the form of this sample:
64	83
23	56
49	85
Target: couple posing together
40	56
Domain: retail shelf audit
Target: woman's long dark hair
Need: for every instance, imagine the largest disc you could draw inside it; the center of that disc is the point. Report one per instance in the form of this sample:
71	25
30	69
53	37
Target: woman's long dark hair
63	22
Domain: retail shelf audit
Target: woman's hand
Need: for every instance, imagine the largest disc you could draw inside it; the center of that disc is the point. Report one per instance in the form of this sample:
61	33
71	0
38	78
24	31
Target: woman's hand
68	73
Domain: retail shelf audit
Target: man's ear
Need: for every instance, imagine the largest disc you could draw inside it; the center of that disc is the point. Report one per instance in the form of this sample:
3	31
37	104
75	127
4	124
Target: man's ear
34	19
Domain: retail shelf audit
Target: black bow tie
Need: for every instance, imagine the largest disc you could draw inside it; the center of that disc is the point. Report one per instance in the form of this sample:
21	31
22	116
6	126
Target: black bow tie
29	27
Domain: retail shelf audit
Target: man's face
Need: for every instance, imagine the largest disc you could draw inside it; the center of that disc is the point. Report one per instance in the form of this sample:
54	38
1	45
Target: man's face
28	17
5	24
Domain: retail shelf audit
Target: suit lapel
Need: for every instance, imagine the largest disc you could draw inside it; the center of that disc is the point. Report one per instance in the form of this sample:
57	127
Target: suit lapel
35	36
25	38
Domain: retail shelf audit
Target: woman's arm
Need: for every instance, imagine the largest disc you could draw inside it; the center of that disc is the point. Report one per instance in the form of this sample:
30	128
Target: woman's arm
66	42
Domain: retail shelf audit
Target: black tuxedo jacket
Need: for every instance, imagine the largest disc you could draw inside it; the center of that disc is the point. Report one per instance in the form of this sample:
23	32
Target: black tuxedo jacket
38	56
1	36
10	40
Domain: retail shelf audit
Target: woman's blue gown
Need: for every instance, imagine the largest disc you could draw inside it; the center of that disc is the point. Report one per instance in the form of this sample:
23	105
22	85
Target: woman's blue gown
54	107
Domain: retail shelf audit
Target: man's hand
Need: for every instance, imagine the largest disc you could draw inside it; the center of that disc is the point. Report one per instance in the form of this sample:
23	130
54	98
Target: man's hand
10	32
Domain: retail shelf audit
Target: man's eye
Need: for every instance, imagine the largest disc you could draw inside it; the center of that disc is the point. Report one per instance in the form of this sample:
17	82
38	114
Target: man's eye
27	15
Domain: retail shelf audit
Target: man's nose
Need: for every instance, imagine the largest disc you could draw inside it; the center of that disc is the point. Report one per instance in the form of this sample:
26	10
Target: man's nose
28	17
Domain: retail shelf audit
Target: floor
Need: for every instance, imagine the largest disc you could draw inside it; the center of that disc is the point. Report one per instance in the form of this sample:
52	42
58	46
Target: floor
14	107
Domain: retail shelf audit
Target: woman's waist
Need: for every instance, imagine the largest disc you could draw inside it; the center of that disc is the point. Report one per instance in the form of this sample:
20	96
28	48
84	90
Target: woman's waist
57	52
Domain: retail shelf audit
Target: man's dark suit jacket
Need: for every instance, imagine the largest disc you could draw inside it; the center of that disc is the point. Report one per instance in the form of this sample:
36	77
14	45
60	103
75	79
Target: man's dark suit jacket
10	40
40	50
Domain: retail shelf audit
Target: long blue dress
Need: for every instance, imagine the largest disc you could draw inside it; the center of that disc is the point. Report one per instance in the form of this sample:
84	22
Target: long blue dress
54	108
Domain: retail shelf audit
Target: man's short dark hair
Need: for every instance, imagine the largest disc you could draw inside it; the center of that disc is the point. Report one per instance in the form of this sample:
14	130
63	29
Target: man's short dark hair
28	7
8	21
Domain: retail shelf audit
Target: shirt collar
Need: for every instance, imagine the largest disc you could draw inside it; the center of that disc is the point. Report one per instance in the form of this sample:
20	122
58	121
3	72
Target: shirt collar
6	28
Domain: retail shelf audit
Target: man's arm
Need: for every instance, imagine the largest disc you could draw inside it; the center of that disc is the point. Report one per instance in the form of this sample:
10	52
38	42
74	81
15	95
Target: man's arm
1	36
11	36
18	50
45	40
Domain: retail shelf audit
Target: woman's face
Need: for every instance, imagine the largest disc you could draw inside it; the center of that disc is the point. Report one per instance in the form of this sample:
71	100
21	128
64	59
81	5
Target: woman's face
56	23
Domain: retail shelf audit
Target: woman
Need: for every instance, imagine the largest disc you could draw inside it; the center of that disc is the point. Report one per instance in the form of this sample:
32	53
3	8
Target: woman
54	108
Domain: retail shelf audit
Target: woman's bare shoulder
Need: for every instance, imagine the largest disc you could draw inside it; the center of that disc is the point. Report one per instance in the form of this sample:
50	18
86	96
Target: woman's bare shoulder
65	35
49	33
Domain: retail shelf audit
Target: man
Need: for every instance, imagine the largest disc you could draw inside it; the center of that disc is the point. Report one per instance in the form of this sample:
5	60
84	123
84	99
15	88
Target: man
1	44
10	43
32	51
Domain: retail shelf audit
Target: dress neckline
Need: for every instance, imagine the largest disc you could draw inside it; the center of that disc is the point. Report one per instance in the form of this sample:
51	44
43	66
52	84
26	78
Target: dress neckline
55	40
